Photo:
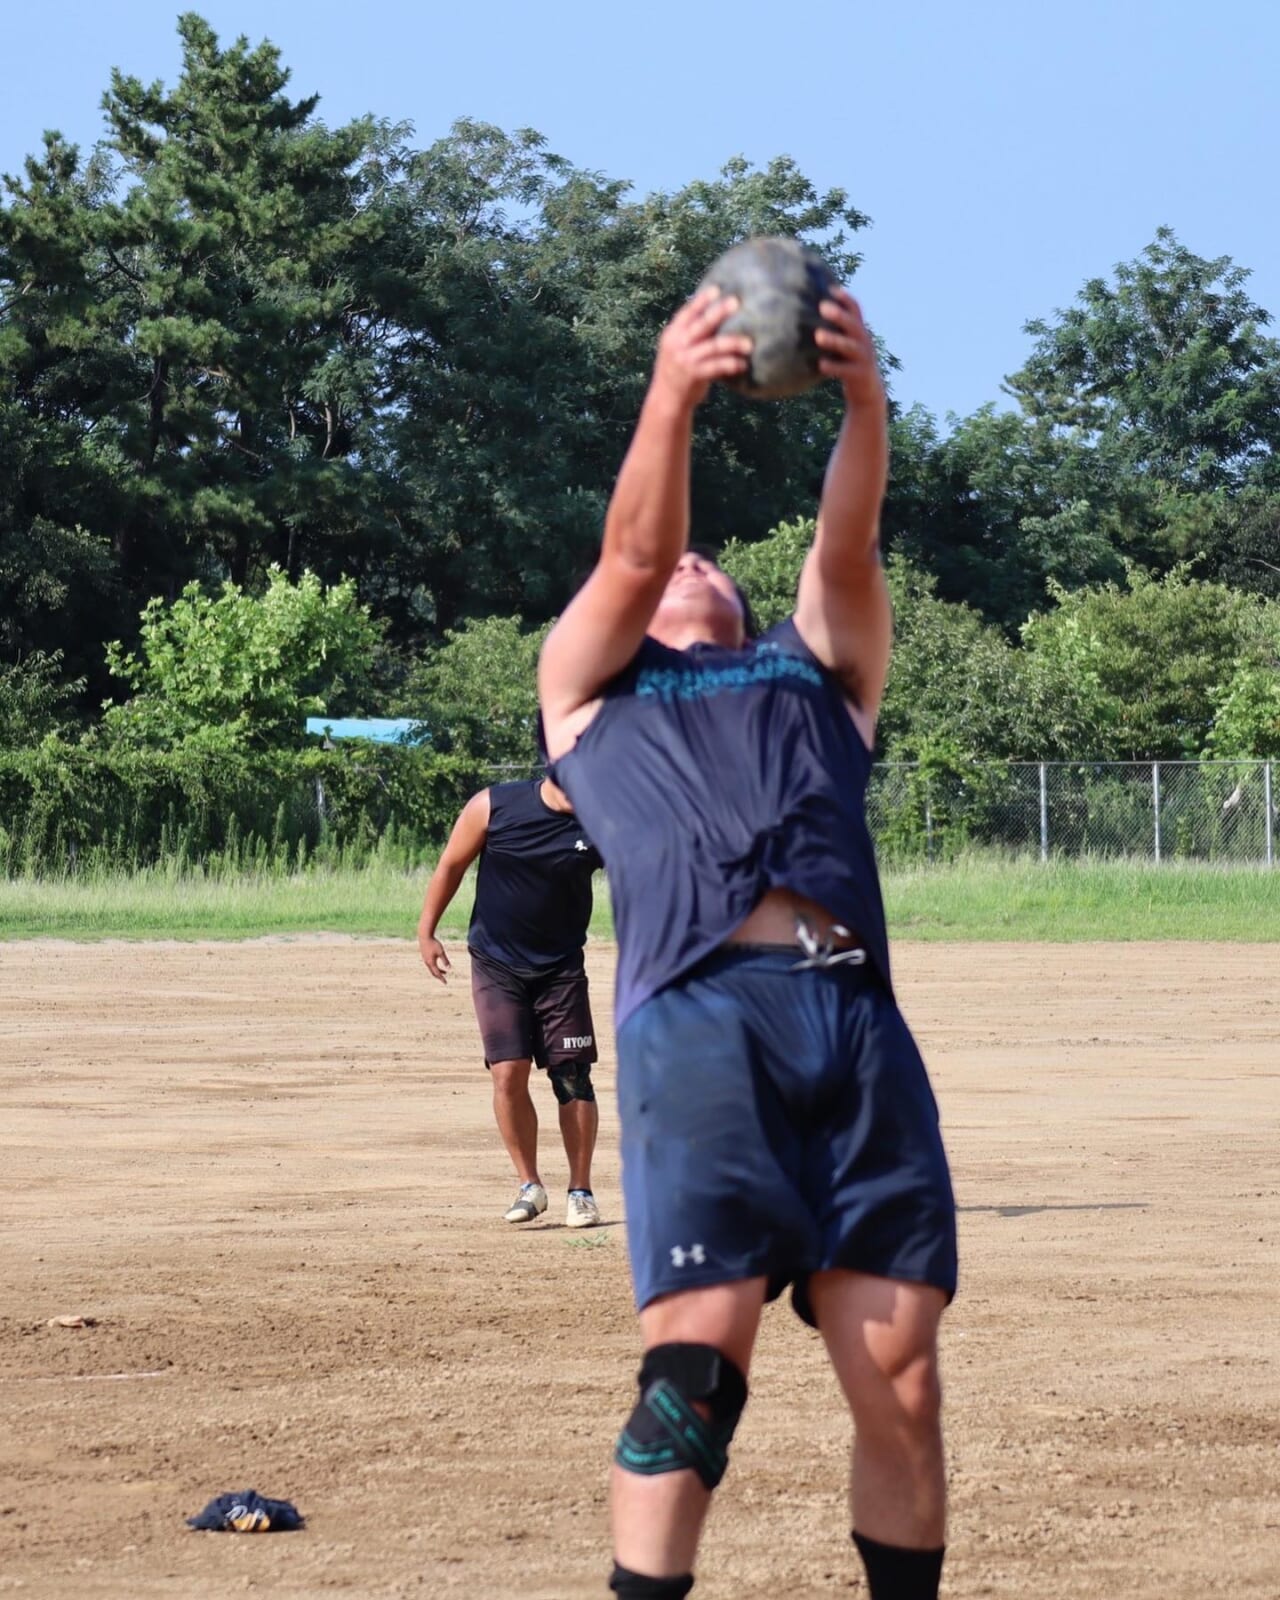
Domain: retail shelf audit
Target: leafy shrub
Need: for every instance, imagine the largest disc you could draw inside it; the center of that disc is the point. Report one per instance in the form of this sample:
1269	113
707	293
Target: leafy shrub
34	698
241	671
477	694
63	805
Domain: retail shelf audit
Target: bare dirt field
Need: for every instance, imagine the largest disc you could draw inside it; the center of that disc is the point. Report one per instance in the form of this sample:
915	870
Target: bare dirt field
268	1172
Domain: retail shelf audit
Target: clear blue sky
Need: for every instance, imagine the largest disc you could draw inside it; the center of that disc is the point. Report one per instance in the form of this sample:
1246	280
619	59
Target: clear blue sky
1006	150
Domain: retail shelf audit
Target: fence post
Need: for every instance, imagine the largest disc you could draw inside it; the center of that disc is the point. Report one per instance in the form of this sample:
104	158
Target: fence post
1266	806
1044	815
928	820
1155	795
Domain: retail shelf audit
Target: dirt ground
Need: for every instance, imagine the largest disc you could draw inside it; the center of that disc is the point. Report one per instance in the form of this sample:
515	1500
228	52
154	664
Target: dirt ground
268	1172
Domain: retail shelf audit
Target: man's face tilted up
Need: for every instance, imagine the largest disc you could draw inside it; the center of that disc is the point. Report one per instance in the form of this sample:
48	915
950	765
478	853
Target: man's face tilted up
700	605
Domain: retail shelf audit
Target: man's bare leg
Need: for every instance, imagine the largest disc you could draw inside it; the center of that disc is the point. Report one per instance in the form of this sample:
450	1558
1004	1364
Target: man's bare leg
657	1521
516	1116
579	1124
882	1337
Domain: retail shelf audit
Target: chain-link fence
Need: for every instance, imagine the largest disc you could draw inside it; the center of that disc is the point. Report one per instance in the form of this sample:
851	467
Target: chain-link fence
1227	811
1162	810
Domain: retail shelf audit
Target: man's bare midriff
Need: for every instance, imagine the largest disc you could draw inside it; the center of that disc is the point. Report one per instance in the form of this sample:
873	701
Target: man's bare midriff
774	919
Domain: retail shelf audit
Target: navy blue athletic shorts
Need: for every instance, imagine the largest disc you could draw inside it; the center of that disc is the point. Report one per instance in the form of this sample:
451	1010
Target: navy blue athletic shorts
779	1123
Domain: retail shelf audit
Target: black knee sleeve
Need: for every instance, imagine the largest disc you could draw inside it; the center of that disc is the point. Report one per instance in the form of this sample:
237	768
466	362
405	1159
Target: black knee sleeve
664	1433
635	1586
571	1080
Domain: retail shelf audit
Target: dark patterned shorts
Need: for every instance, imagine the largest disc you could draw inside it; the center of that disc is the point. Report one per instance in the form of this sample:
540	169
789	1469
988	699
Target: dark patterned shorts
543	1017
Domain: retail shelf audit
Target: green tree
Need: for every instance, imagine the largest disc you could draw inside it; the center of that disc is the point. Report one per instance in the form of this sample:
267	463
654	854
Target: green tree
256	305
1246	721
476	694
35	699
55	584
234	336
1247	717
238	671
60	338
541	289
1132	672
996	509
955	683
769	569
953	679
1233	535
1168	368
1167	379
193	325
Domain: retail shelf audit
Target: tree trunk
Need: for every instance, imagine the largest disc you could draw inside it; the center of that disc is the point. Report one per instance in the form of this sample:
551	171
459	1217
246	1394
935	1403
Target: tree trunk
240	558
156	395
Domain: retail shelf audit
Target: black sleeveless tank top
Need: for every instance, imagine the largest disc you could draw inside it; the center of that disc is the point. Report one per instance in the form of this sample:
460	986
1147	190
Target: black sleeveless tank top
533	883
710	776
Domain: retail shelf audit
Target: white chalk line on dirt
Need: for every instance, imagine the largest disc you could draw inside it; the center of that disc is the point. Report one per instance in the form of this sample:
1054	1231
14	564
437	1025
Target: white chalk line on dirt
83	1377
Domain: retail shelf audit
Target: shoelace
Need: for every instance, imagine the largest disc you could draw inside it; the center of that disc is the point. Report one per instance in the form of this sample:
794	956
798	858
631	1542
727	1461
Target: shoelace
822	952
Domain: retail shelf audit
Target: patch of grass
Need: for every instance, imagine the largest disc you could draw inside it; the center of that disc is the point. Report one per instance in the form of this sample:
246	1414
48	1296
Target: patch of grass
979	898
1074	901
161	904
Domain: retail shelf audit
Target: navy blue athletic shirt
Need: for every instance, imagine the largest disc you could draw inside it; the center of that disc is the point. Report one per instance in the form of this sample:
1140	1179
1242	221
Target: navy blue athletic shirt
710	776
533	884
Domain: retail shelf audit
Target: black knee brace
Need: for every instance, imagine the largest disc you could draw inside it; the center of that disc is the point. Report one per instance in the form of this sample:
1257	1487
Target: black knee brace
664	1433
571	1080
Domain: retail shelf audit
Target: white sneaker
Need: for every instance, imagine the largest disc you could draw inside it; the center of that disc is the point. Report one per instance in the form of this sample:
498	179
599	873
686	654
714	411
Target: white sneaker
529	1203
582	1210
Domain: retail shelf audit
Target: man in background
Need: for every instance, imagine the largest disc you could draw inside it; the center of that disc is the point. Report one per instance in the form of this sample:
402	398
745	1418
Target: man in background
528	982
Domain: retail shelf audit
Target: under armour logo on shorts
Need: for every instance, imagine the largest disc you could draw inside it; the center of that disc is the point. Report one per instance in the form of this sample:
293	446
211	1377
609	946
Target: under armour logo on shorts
581	844
695	1253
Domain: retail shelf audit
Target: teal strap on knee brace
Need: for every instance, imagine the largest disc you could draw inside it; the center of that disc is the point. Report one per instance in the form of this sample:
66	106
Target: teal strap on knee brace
664	1433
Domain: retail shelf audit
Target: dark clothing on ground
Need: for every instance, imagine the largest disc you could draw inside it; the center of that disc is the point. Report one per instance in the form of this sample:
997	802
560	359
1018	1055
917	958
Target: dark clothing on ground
248	1512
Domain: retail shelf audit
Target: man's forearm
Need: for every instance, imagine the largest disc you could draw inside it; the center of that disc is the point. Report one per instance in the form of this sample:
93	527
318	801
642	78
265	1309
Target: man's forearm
440	891
648	521
855	483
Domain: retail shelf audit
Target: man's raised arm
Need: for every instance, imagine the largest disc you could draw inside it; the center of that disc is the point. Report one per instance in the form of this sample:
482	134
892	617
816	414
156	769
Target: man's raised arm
647	527
842	610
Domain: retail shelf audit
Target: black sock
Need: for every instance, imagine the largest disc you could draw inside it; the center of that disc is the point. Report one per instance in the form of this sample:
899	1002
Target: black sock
897	1574
635	1586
